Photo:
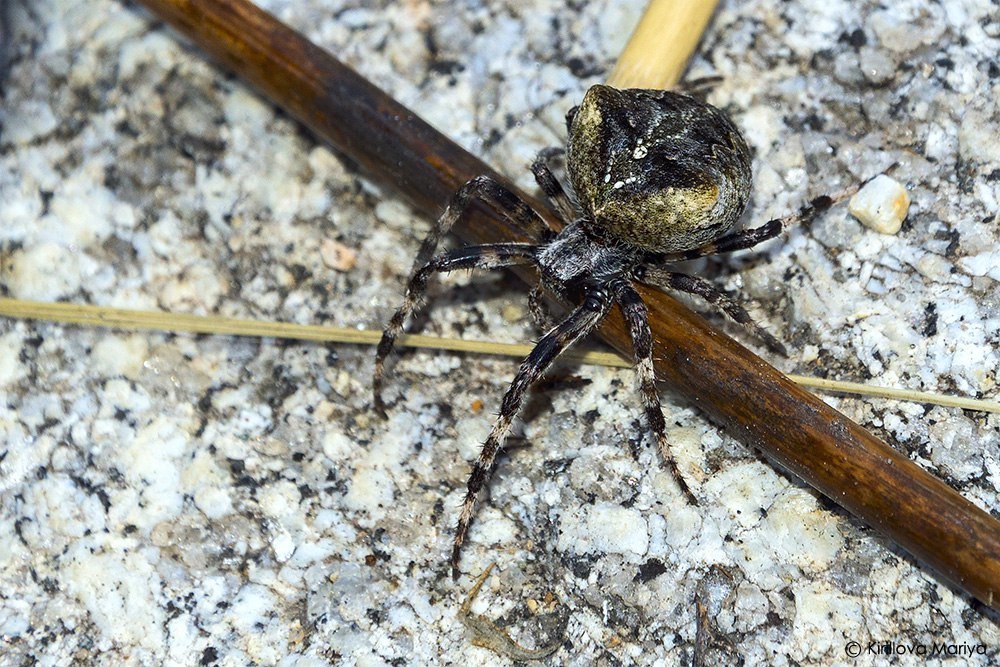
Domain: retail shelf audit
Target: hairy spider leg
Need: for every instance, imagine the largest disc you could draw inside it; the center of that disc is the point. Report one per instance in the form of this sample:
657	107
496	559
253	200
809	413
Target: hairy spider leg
540	312
684	283
700	87
576	325
550	184
637	317
536	308
748	238
494	194
491	256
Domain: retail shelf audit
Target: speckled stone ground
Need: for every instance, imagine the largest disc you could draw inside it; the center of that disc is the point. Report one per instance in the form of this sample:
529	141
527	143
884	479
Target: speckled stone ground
181	500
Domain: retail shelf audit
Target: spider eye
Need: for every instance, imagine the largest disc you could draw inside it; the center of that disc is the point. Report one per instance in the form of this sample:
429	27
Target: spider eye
596	299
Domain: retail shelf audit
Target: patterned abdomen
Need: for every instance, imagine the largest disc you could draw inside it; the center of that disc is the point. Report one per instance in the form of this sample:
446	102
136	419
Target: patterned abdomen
657	170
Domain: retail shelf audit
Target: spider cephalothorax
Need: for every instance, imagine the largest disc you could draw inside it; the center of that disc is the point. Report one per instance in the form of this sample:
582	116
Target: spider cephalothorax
658	177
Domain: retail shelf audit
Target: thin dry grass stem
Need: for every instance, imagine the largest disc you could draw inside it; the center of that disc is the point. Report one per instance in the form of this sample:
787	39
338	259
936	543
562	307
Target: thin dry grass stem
132	320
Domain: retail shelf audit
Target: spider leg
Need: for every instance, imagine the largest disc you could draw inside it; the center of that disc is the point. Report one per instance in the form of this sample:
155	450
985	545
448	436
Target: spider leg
570	117
637	318
684	283
540	311
579	323
550	184
748	238
498	197
536	308
491	256
700	87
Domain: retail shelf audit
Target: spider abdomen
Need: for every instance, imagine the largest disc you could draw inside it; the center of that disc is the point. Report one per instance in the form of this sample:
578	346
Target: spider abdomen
657	170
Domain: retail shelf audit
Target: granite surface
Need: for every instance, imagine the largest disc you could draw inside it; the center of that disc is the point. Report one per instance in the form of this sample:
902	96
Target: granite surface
174	499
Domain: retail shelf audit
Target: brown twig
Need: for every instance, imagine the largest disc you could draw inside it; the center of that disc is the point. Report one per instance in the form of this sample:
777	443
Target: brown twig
754	401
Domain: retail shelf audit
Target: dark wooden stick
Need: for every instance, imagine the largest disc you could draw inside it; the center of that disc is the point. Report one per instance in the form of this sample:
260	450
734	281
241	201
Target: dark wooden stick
732	385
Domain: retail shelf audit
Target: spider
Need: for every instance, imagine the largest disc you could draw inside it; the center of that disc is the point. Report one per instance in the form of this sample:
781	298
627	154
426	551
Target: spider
656	177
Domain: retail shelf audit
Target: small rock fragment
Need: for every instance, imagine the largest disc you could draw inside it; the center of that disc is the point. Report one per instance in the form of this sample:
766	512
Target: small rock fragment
338	256
512	312
881	205
876	65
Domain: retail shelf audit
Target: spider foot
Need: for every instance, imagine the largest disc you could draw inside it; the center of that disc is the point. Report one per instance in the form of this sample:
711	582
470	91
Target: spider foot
663	445
385	346
771	342
681	484
380	408
476	481
378	403
456	555
700	87
686	490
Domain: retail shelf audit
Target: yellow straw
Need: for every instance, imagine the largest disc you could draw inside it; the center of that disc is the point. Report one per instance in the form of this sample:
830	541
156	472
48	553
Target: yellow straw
119	318
661	44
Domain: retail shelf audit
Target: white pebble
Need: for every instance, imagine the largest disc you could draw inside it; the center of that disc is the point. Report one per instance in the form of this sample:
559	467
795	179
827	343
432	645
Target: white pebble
881	205
876	65
283	546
